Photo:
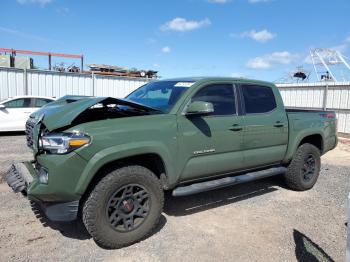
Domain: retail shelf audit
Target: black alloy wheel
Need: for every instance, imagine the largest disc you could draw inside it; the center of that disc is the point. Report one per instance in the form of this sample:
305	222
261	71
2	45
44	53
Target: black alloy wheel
128	207
309	167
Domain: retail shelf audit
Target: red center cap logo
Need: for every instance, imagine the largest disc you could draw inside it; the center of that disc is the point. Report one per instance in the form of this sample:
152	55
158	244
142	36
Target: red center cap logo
128	205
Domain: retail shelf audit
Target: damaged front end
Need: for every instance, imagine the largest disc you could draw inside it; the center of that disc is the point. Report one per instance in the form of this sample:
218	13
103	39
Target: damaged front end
19	178
73	110
51	179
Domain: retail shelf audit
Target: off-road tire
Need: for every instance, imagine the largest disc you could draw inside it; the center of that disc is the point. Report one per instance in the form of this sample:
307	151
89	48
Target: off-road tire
95	217
294	176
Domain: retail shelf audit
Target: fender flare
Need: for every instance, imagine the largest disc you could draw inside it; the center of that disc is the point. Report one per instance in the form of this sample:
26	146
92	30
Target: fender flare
297	140
119	152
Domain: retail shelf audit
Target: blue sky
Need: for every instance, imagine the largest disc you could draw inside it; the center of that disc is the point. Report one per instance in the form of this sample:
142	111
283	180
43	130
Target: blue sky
261	39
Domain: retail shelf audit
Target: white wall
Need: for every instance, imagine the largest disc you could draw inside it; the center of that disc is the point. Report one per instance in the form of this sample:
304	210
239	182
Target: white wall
330	96
15	82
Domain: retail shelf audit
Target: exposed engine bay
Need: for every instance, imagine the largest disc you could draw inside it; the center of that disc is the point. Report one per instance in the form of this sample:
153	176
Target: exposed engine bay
109	110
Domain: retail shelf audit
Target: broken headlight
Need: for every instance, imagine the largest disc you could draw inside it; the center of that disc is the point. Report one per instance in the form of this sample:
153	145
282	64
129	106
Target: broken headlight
61	143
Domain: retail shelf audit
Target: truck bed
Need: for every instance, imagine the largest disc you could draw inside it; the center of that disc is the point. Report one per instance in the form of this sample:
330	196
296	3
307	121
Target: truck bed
304	122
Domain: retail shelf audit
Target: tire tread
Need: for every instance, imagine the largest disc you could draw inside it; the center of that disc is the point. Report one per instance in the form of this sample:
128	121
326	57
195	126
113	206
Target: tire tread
92	201
292	176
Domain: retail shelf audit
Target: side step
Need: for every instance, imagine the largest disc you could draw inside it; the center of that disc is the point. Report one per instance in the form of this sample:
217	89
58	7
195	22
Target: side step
227	181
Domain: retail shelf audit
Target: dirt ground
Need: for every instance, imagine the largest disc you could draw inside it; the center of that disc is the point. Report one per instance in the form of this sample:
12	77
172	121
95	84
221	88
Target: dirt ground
260	221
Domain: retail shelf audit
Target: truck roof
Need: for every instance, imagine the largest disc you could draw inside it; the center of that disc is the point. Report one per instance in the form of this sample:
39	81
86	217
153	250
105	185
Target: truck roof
216	78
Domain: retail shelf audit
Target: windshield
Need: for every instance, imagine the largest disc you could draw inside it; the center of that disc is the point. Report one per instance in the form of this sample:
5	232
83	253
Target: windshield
161	95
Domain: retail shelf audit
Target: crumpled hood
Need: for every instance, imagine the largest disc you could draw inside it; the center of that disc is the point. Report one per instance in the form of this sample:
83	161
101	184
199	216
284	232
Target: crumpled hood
63	111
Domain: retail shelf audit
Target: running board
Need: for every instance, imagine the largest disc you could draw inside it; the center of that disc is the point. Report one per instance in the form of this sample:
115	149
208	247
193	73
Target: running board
227	181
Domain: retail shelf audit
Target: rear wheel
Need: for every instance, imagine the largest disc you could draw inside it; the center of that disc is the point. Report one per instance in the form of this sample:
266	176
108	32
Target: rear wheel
124	207
304	169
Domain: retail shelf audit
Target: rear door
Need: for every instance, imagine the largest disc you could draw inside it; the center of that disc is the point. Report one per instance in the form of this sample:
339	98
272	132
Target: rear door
265	126
211	144
40	102
15	114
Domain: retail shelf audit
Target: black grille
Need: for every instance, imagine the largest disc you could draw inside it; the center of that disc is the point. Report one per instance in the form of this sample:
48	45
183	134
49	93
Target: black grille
29	132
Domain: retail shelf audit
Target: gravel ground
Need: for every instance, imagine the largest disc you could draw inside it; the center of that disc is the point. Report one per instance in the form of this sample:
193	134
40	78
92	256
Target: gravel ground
260	221
12	149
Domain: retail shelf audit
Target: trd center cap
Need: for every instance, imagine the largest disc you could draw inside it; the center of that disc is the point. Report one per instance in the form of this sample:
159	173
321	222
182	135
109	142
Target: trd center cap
128	205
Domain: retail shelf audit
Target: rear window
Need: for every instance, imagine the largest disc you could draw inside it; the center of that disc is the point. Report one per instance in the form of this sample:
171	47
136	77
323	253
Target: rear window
258	99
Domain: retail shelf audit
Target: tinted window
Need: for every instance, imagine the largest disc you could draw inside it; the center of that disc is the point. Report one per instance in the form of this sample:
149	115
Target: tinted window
39	102
220	95
258	99
18	103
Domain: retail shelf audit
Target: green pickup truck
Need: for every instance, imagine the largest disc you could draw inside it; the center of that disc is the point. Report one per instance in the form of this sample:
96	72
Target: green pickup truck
111	160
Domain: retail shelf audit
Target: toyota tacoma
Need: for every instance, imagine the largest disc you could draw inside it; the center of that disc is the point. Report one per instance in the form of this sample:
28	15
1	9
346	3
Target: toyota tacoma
111	159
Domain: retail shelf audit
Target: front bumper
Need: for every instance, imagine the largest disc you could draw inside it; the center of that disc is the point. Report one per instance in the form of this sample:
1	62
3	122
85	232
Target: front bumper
21	175
19	178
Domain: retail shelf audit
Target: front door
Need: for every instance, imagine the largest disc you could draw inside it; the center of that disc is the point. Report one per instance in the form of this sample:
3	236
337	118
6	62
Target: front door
211	145
15	114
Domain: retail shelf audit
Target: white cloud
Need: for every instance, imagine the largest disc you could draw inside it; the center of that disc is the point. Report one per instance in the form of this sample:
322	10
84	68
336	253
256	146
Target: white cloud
166	49
271	60
259	36
342	48
258	63
40	2
180	24
218	1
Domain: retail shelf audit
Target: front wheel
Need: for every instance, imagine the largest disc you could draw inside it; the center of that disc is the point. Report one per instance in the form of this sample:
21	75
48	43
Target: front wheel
124	207
304	169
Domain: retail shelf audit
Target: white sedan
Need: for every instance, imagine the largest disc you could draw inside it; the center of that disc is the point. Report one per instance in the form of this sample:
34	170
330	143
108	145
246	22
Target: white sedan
15	111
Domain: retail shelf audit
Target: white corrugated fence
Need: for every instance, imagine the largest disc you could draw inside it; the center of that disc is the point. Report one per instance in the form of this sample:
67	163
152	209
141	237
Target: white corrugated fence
16	82
325	95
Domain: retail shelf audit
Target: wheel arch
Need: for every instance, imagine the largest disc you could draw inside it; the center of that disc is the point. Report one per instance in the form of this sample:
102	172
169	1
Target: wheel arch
315	139
152	161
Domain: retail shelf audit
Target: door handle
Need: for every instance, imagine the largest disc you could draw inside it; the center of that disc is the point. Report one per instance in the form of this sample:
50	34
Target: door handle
236	128
279	124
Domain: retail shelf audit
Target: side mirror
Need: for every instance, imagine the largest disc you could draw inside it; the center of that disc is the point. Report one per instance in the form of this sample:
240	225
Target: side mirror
2	107
200	108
